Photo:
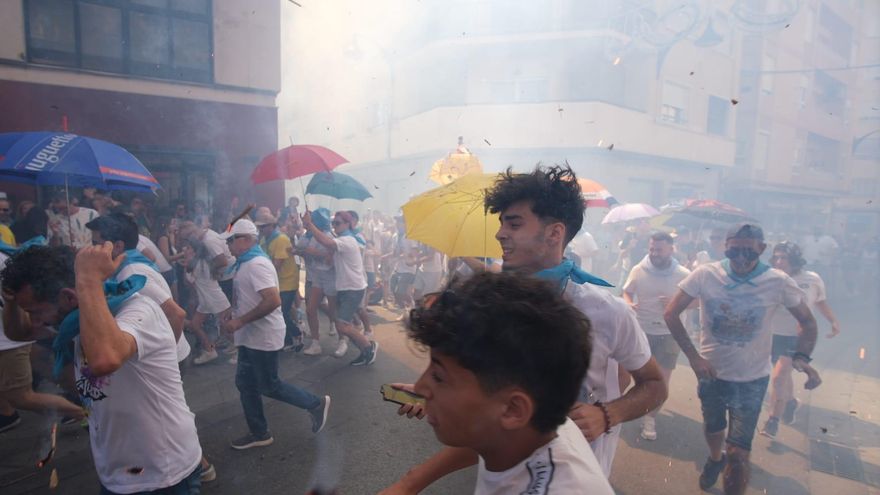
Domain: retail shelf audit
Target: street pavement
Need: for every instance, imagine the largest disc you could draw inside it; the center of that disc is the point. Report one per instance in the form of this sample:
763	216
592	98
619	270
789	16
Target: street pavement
366	446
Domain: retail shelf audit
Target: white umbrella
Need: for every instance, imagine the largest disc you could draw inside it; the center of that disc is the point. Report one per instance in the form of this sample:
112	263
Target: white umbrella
629	211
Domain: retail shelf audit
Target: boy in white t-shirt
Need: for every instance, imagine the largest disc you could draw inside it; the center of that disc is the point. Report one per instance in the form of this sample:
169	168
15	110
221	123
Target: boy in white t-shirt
487	392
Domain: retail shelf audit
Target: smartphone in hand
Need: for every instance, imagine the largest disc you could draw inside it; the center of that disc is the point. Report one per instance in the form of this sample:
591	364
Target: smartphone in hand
401	397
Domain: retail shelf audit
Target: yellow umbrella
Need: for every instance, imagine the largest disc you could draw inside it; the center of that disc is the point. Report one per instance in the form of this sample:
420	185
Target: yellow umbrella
452	219
457	164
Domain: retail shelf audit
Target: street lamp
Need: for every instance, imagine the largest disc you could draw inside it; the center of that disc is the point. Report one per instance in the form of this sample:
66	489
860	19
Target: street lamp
354	52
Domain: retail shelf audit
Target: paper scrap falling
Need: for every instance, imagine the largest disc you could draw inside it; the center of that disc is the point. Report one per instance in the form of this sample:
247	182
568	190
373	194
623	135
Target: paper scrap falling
375	186
295	3
734	101
616	60
824	430
412	173
53	479
862	350
692	73
487	142
611	147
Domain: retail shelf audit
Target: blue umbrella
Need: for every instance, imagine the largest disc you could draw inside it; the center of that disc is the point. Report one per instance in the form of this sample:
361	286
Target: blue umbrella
64	159
336	185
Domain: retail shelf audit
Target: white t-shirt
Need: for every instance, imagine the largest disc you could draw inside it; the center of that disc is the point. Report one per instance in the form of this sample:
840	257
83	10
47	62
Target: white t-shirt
648	285
349	264
409	250
215	246
212	299
564	466
736	336
783	323
617	338
76	223
315	262
142	432
5	342
156	289
145	244
585	246
267	333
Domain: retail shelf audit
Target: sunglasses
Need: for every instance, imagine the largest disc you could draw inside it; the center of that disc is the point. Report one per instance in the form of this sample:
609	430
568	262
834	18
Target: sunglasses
230	240
741	252
337	222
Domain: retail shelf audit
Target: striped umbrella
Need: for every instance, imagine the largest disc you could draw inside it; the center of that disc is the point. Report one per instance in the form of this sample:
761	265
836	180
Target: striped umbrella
596	195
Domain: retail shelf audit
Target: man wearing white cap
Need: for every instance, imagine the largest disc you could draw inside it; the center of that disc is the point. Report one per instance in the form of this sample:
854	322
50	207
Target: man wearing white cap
258	330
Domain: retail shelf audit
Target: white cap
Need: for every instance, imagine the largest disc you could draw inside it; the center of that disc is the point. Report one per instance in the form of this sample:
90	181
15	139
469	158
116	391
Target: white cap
241	227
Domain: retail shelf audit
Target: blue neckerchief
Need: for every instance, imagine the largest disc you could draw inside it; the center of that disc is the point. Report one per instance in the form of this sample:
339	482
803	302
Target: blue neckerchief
566	271
274	235
116	293
248	255
356	237
10	250
135	256
759	270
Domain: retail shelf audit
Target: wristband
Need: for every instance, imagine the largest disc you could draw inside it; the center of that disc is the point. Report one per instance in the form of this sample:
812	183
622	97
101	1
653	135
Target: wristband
604	409
802	356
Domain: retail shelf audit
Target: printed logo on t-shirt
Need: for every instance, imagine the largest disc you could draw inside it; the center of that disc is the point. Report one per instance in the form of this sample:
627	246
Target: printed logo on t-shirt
89	386
540	474
735	320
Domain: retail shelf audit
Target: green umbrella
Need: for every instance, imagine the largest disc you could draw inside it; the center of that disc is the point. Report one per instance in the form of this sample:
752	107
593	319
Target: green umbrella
336	185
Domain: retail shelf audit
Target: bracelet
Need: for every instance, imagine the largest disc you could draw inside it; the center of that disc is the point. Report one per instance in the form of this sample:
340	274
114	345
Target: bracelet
604	409
802	356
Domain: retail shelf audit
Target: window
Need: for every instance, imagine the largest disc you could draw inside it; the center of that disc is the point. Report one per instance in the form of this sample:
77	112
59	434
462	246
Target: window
170	39
835	32
822	153
716	120
674	104
830	94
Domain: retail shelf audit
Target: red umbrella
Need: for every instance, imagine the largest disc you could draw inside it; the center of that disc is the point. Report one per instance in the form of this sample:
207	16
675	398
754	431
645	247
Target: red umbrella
296	161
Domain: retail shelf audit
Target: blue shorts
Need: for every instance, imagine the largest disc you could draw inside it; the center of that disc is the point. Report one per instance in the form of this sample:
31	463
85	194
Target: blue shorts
741	401
783	345
347	303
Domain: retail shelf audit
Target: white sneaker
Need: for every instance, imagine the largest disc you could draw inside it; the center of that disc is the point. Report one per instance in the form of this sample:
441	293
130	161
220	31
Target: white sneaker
313	349
233	360
649	429
341	349
332	331
206	357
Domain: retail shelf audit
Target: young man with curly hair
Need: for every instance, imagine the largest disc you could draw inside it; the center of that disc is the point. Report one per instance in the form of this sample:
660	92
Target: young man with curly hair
540	214
507	402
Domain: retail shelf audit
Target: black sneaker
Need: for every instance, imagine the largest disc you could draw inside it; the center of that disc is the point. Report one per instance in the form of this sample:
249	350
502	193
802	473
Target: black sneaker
711	470
771	427
319	414
250	441
374	351
362	360
788	413
9	422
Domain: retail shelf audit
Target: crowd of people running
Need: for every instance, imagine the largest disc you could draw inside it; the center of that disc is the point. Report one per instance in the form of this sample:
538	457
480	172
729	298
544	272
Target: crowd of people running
535	360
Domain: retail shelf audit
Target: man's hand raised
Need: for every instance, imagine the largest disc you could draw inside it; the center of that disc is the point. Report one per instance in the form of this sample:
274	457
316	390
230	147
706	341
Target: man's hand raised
96	263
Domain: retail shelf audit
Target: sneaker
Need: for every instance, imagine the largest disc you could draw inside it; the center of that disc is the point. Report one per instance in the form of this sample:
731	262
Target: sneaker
341	349
206	357
9	422
233	360
362	360
788	413
249	441
319	414
313	349
230	349
208	474
711	470
68	420
295	346
332	332
649	429
374	351
771	427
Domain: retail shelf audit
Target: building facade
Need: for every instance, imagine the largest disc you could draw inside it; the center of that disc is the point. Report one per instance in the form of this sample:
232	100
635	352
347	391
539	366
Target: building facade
188	86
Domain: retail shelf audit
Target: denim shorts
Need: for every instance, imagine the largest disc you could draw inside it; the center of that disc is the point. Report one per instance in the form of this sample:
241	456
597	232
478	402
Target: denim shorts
783	345
741	401
347	303
324	280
